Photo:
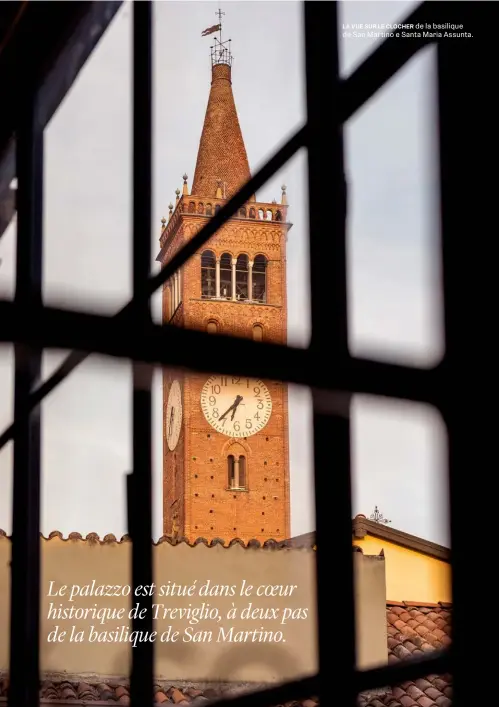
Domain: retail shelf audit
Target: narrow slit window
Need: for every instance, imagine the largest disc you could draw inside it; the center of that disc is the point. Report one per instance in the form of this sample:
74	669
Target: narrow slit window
208	275
260	279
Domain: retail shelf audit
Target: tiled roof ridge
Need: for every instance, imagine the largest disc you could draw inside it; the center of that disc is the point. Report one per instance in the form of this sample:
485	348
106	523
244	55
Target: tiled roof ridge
420	604
110	539
362	526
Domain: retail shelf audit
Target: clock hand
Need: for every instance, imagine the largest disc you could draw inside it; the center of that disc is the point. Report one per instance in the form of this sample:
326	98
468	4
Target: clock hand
237	402
231	408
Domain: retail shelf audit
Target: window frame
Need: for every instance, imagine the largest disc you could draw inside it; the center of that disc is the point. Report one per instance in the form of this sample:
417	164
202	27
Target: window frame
331	101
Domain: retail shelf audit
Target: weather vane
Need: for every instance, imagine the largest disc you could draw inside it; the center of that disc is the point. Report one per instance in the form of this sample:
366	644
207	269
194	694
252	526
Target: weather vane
377	517
220	51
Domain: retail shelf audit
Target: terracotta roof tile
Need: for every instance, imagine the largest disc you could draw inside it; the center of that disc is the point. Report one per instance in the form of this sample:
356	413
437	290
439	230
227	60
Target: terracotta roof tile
432	631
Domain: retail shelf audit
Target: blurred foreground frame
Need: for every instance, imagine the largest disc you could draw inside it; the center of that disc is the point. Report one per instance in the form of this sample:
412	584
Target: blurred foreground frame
34	69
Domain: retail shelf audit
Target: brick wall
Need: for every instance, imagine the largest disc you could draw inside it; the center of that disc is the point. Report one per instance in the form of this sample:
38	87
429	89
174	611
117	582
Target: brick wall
208	509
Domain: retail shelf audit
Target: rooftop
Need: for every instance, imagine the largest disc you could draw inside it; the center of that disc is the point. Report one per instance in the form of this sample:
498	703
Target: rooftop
413	629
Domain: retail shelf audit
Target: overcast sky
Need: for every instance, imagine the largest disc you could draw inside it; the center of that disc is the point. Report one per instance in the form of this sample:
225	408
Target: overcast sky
394	279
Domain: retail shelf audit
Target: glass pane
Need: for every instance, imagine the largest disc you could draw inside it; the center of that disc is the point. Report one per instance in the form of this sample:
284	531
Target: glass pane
395	299
88	163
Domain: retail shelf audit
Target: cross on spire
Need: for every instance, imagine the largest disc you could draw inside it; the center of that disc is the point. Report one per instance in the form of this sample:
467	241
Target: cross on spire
219	13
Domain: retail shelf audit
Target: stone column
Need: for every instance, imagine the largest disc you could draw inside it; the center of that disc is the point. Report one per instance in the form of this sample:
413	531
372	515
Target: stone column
236	473
250	280
217	279
234	261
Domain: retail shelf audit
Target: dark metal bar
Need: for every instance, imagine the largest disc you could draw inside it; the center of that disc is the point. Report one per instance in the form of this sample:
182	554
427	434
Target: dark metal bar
140	481
467	117
25	564
326	185
172	346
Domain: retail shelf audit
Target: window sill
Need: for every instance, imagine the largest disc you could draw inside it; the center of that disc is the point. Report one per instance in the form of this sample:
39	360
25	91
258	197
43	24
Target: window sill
240	489
235	301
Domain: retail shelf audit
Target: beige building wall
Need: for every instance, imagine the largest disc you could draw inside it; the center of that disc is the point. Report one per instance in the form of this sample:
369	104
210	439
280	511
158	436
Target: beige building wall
209	650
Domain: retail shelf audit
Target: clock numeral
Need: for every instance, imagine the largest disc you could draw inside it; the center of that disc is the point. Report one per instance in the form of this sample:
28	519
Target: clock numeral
223	380
249	424
215	389
223	421
235	381
257	416
256	391
212	400
236	426
259	404
215	412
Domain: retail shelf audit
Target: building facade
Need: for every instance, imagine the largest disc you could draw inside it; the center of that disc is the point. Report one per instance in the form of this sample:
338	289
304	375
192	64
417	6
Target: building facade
226	459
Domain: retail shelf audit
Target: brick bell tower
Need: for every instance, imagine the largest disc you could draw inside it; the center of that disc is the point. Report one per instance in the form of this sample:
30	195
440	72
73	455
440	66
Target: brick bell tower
226	459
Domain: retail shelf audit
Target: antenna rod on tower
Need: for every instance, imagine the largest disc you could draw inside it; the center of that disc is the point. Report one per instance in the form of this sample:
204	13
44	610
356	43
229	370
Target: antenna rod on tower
220	13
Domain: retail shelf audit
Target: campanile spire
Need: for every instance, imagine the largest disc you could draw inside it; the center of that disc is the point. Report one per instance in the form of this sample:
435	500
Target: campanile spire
222	155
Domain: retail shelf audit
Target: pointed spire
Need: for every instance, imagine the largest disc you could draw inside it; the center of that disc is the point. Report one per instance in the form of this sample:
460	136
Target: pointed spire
222	154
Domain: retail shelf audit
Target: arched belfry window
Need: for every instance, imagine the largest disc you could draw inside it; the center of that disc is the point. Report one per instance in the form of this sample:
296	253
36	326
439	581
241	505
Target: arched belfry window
209	210
278	216
192	207
231	470
258	332
242	212
217	208
175	292
252	213
268	215
242	272
208	274
237	477
226	276
242	472
260	279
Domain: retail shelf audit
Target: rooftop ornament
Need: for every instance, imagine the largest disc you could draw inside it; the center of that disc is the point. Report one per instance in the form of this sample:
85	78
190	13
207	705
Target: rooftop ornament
378	517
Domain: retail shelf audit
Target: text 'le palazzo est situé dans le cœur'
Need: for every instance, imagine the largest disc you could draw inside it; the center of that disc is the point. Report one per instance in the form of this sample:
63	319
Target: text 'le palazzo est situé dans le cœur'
204	612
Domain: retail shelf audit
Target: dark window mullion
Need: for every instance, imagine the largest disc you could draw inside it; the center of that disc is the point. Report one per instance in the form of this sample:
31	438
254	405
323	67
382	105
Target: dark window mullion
25	561
140	482
466	110
326	186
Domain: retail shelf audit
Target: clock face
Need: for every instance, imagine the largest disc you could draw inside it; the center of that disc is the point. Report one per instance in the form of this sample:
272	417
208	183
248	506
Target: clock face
173	419
236	407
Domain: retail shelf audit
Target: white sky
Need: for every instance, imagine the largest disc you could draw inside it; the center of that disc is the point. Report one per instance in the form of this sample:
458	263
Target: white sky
395	308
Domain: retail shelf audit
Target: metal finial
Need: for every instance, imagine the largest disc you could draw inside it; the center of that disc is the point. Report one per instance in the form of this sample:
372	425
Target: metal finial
185	178
177	192
377	517
163	221
284	187
170	206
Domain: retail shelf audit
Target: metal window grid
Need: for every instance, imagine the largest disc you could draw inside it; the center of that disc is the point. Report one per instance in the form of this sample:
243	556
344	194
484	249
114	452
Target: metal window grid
326	366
